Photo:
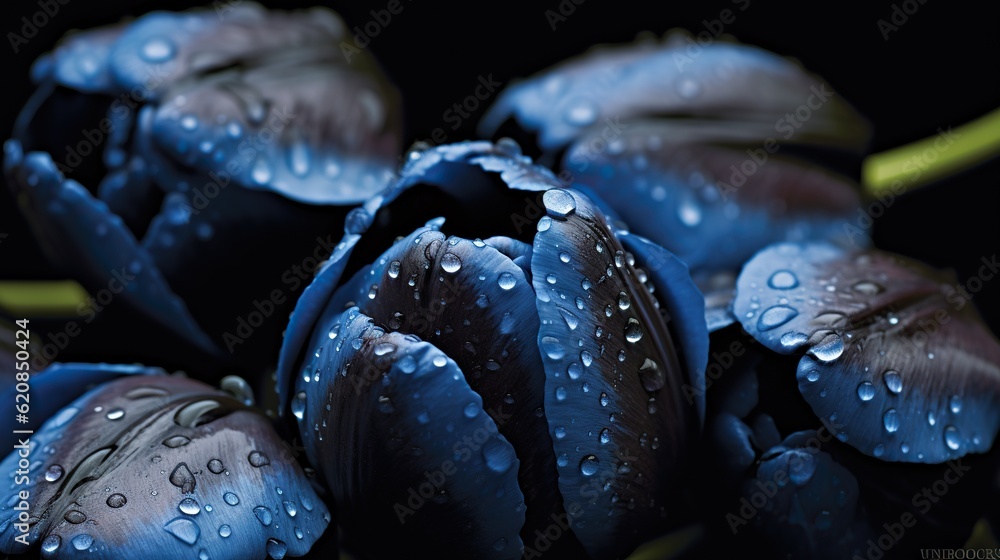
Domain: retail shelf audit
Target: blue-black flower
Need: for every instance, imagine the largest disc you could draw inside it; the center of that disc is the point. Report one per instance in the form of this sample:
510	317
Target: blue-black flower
149	465
188	162
525	395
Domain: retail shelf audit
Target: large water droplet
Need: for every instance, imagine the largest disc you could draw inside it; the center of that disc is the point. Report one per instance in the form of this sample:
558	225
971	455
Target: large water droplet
783	280
952	438
775	316
276	549
955	404
51	544
189	506
157	49
829	349
471	410
116	500
866	391
263	515
451	263
82	542
553	348
53	473
891	420
633	331
183	478
652	377
623	301
506	280
184	529
216	466
299	405
75	516
559	203
225	531
290	508
893	381
498	457
230	498
258	459
589	465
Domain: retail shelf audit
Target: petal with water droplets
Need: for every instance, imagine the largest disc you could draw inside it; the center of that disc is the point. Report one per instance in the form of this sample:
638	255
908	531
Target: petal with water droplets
622	424
891	347
147	466
406	446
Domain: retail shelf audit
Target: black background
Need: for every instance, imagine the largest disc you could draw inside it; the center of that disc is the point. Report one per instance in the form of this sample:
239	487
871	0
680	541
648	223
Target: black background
941	68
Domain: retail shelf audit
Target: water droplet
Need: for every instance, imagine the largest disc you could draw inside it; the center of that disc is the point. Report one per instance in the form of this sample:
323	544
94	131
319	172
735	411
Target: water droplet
499	457
115	414
51	544
867	288
581	113
553	348
216	466
812	375
575	370
258	459
299	534
605	436
189	506
385	405
783	280
261	172
623	301
183	478
891	420
559	203
439	360
116	500
931	418
904	447
589	465
801	467
289	508
893	381
82	542
866	391
263	515
189	123
633	331
276	549
506	280
879	450
75	516
230	498
689	213
829	349
299	405
53	473
952	438
688	88
298	159
551	278
652	377
225	531
955	404
471	410
157	49
394	269
451	263
184	529
775	316
604	400
561	393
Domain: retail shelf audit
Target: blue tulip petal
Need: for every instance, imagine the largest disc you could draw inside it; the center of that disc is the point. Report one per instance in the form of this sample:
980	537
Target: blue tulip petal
398	445
613	380
181	460
61	383
892	349
81	234
81	62
476	305
694	201
131	195
732	436
811	507
685	307
605	88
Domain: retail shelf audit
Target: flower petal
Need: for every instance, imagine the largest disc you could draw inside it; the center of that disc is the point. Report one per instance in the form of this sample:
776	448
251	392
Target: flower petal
406	446
148	466
893	349
80	234
476	305
714	207
744	86
613	380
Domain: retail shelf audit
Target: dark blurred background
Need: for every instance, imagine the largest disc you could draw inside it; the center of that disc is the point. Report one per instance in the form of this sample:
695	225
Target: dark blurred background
938	69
